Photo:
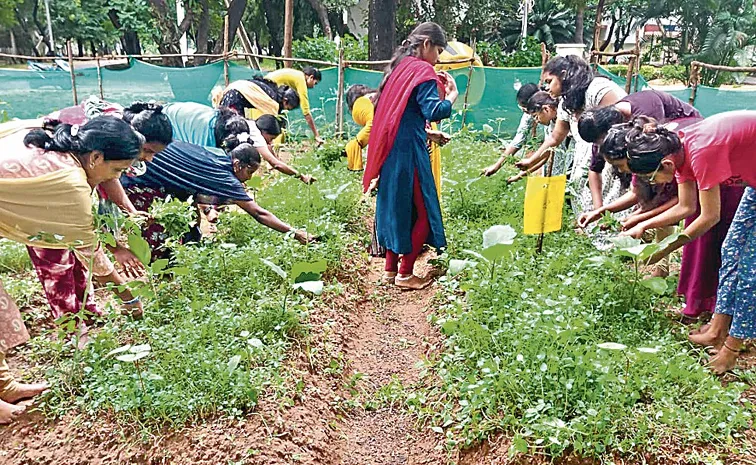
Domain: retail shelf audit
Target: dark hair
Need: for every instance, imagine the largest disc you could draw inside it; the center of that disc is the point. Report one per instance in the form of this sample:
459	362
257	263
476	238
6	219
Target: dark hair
314	72
276	92
268	124
539	100
425	31
246	153
112	136
614	147
150	121
576	75
356	91
290	95
525	92
648	144
228	123
593	123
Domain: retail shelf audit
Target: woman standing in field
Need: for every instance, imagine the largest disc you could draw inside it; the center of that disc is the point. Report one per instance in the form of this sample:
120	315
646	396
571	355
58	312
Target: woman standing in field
408	213
702	157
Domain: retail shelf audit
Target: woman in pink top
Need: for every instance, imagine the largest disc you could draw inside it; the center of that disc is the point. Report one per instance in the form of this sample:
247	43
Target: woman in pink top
719	150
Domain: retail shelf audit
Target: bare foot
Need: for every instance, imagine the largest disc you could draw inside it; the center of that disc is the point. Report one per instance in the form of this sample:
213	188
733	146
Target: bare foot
9	412
411	282
707	339
21	391
724	361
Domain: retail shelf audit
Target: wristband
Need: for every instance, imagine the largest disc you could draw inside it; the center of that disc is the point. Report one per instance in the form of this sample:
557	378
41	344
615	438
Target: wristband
132	301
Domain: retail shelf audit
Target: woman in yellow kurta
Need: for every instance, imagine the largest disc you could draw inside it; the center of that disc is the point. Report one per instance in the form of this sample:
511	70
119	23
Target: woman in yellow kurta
361	106
252	98
301	81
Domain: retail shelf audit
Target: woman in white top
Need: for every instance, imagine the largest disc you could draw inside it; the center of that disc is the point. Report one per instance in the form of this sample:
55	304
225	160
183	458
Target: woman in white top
579	89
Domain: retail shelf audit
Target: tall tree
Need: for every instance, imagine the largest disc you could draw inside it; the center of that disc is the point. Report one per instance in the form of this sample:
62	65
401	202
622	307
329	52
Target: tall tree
168	32
381	29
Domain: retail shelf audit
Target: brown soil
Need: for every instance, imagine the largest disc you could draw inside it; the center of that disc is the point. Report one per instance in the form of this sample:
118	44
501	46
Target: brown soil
371	329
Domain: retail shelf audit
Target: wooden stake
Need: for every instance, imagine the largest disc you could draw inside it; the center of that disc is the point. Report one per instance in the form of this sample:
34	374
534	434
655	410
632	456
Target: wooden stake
225	49
340	94
99	77
549	171
597	32
637	58
629	74
288	30
73	73
694	70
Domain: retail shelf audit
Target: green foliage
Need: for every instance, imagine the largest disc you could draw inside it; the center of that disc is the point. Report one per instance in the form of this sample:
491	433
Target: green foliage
176	216
330	153
549	22
526	55
324	49
218	322
7	17
668	73
555	350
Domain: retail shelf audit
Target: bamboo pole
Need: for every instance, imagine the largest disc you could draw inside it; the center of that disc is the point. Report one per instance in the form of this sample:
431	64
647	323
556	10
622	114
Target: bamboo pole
614	54
99	77
288	30
637	58
597	32
73	72
340	94
469	84
731	69
549	171
694	70
226	47
629	74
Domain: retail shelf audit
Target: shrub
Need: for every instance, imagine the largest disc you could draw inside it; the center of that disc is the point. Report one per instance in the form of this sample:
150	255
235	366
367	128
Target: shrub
324	49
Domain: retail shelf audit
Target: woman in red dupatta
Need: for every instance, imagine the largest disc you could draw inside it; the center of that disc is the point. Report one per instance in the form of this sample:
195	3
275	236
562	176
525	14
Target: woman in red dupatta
408	213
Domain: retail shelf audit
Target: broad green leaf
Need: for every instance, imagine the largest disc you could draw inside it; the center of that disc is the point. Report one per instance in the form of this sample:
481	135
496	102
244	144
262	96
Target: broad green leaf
458	266
159	265
316	287
254	342
648	350
234	363
277	269
488	129
437	429
130	358
140	348
624	242
179	270
669	240
656	285
140	248
255	182
612	346
476	255
118	350
154	377
308	271
520	445
496	251
499	234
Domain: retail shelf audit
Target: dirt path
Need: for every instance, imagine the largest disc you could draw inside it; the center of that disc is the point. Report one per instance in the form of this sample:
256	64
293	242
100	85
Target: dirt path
390	335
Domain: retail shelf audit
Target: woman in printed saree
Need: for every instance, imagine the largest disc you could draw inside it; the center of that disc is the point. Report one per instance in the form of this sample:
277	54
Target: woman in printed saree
702	157
185	170
254	97
46	186
408	213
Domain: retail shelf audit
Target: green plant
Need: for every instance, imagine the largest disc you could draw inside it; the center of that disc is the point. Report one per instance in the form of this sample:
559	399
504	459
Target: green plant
330	153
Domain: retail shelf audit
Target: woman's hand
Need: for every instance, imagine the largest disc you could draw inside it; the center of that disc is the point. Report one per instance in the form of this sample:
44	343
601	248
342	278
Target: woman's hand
525	164
307	178
438	137
589	217
635	232
630	222
303	237
132	267
319	140
491	170
450	85
517	177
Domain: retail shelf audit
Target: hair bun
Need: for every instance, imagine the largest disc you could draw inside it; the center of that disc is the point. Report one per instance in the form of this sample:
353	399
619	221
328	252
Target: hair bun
138	107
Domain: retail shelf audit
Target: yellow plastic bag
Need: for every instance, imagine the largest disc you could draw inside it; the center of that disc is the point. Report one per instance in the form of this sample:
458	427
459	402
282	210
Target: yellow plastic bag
544	200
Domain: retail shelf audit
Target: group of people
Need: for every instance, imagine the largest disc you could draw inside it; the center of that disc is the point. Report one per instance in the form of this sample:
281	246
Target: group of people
646	154
654	161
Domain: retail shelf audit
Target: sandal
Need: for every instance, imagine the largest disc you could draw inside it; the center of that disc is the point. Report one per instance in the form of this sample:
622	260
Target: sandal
411	282
388	277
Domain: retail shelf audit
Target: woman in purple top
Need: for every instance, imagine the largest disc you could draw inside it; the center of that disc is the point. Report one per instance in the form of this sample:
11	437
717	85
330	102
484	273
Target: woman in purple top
701	259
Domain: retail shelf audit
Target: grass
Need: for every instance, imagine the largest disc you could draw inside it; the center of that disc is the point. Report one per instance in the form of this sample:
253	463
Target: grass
526	350
217	335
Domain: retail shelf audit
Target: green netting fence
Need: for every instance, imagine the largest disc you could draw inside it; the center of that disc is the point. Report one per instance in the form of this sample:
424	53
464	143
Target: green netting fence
490	99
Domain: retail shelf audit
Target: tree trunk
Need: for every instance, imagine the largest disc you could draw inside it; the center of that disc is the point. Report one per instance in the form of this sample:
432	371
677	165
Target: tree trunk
169	33
579	24
42	32
129	38
381	29
337	23
274	21
288	30
322	12
80	44
203	32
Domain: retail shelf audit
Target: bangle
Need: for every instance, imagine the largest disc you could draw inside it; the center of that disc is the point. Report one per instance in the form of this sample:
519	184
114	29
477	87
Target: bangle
132	301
